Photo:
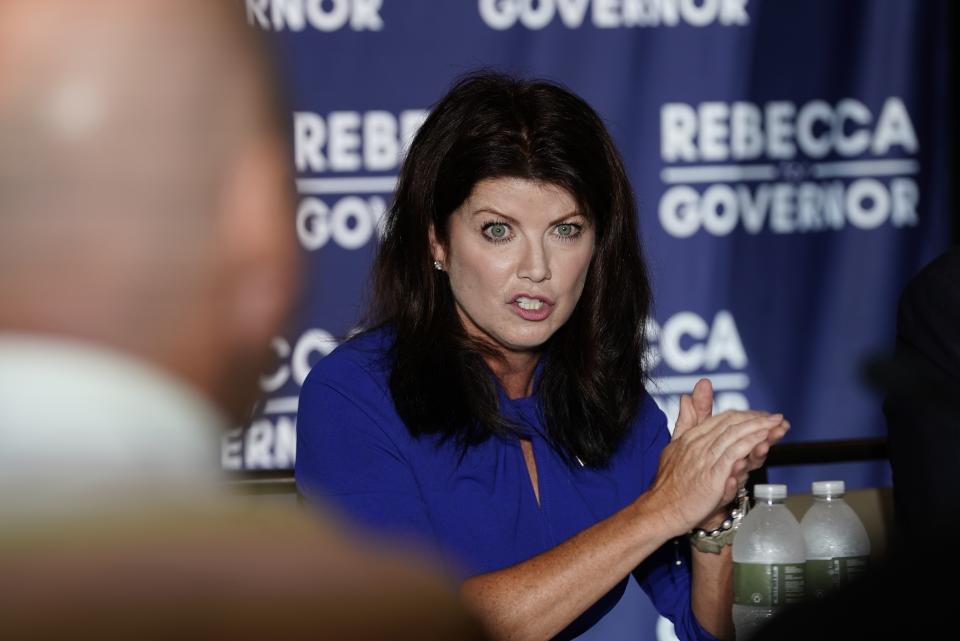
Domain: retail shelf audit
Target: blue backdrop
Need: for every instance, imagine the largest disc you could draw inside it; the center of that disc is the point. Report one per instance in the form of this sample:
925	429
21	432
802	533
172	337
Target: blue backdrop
789	158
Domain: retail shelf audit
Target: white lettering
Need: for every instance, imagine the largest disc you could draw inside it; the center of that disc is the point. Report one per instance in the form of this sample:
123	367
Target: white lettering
296	15
833	211
295	364
730	401
331	20
754	209
699	15
678	128
669	12
231	450
867	203
734	12
285	443
905	196
309	137
257	444
312	228
894	128
606	14
609	14
270	446
858	140
375	139
273	382
572	12
641	13
746	141
652	357
678	211
671	336
782	209
813	145
779	117
499	14
724	344
366	15
257	13
344	140
717	131
382	147
707	346
809	206
718	209
788	207
314	341
288	14
351	223
537	15
713	130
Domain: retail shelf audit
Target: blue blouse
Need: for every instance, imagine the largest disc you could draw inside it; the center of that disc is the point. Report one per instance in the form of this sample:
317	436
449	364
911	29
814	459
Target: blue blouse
479	509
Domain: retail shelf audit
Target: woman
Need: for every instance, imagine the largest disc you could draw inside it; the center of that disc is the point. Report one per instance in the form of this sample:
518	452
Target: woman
498	410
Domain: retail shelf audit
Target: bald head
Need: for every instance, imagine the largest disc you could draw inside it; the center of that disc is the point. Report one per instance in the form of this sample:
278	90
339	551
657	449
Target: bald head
125	95
143	182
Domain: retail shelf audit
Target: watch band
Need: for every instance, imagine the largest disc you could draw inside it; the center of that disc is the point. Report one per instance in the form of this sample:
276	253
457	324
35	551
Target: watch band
713	541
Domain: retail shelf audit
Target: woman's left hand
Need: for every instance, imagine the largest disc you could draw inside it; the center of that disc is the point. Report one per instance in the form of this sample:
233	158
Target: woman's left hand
702	399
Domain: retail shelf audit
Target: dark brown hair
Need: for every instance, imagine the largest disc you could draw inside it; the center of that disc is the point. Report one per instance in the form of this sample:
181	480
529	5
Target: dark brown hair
490	125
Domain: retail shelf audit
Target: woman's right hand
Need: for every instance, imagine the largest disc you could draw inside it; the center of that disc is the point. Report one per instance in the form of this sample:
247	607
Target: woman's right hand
706	460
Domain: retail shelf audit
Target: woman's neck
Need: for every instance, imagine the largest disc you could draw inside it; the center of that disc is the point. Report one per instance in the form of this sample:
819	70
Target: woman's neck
515	373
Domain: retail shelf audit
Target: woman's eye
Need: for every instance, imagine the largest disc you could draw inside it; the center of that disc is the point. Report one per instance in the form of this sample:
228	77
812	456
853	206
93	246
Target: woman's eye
567	230
496	231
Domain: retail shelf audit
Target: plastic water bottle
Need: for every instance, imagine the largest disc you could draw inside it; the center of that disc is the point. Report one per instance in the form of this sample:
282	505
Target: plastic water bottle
838	548
768	561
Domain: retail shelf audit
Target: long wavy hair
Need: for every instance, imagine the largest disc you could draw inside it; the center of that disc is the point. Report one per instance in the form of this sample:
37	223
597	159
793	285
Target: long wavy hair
491	125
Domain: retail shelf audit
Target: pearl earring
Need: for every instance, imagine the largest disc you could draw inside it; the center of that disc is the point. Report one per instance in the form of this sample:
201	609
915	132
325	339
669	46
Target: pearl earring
437	266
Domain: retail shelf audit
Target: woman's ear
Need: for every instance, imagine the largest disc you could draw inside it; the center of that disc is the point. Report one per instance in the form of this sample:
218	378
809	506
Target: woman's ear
437	252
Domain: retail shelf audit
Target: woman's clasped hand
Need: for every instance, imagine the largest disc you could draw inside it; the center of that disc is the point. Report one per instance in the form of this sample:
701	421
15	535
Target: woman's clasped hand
709	457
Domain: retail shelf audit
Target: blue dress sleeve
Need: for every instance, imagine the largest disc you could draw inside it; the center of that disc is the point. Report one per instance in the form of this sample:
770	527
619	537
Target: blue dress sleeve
665	574
347	460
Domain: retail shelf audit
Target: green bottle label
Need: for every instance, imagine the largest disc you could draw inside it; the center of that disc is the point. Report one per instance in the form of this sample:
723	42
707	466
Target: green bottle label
824	575
768	586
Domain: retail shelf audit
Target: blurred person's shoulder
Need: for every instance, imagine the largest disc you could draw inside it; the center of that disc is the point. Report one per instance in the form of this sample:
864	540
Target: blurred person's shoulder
234	568
928	317
938	279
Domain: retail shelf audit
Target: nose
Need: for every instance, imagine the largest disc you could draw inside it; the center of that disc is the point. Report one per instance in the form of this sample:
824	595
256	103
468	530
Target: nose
534	263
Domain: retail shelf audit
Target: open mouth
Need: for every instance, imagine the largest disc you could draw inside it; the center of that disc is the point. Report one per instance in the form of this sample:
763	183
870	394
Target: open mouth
532	308
529	304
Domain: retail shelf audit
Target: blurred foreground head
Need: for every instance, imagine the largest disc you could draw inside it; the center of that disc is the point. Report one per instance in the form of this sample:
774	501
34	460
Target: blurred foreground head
144	211
144	191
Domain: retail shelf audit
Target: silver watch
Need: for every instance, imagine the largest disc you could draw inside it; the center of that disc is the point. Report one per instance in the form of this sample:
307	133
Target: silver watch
713	541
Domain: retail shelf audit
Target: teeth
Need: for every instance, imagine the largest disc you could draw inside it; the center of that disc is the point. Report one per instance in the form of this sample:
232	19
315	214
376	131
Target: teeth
530	304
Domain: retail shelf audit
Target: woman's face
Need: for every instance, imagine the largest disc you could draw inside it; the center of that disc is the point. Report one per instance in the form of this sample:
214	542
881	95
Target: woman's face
517	255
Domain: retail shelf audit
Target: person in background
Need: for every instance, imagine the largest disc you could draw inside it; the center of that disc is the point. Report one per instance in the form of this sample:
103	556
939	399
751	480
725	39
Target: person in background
147	257
497	408
908	595
922	406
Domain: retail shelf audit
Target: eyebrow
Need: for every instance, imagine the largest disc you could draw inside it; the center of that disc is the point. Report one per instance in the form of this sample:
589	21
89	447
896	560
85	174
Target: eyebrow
491	210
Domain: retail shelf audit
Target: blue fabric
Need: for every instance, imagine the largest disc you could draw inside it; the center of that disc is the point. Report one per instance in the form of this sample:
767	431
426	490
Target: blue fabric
477	509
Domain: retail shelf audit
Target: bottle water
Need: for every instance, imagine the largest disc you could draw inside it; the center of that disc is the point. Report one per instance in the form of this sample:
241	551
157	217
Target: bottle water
838	548
768	561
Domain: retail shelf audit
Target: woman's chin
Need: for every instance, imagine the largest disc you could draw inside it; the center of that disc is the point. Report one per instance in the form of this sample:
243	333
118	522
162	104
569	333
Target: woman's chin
526	341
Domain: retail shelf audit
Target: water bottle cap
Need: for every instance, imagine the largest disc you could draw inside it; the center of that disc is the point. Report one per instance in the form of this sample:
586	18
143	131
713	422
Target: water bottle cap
770	491
828	488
